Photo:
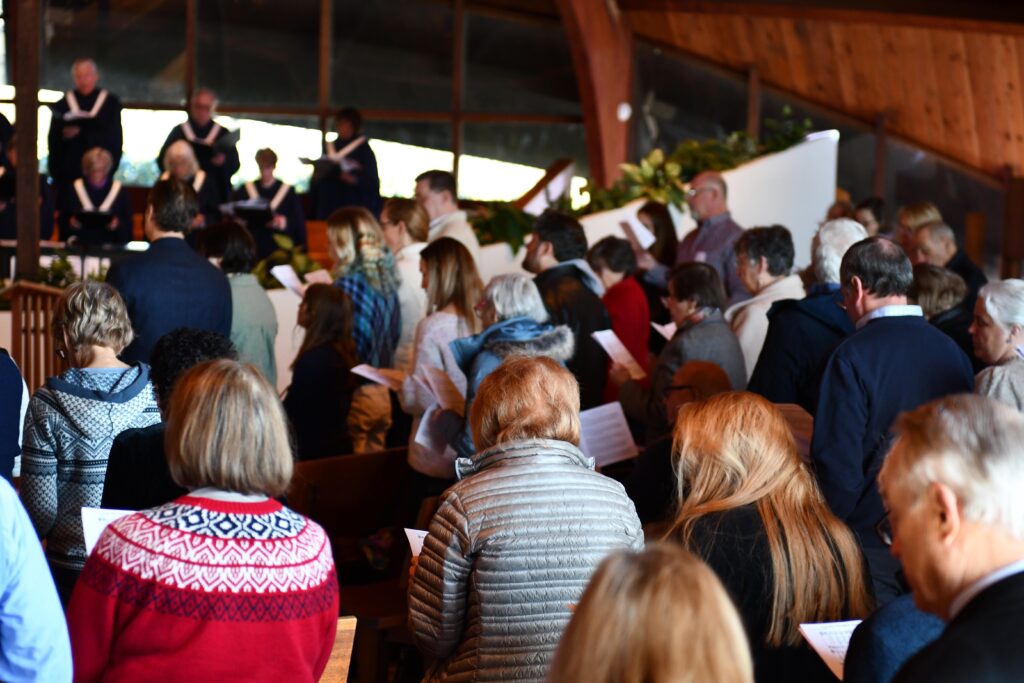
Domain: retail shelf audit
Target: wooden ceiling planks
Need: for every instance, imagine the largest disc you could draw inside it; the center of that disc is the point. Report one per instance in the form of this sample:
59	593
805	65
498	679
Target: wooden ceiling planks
959	92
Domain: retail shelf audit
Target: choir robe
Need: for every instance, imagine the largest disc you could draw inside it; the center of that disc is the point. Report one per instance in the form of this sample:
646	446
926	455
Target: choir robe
331	192
202	139
69	203
9	213
6	132
103	129
290	207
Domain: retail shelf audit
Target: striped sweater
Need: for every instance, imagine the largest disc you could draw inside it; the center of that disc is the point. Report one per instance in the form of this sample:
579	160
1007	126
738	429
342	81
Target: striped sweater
223	590
71	423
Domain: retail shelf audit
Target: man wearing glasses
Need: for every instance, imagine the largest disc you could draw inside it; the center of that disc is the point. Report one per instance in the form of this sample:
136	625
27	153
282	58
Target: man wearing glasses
716	234
952	484
214	145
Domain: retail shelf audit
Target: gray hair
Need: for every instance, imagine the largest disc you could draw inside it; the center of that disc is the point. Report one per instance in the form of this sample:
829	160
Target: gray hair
1004	302
972	444
938	232
514	296
181	149
830	243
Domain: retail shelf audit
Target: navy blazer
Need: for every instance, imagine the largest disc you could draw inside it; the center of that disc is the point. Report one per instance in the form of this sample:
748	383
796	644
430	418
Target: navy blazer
889	366
167	287
884	642
981	644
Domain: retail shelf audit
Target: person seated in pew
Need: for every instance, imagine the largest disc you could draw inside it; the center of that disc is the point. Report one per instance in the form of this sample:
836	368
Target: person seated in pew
282	202
319	398
138	476
96	192
180	163
8	200
750	508
695	301
223	583
514	542
658	616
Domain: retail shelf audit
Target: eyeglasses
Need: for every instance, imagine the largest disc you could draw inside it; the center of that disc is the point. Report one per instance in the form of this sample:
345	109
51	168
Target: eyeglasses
884	530
694	191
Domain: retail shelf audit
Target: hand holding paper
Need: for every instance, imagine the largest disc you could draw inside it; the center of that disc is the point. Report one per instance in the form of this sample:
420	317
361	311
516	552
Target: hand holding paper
287	276
668	330
617	351
389	377
444	390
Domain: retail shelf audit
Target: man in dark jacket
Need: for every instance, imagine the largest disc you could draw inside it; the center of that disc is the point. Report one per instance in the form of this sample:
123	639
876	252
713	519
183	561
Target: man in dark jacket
894	361
572	293
169	285
952	486
803	333
935	243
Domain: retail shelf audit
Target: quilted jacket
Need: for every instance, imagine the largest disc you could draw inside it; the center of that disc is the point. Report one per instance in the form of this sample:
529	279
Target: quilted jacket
510	550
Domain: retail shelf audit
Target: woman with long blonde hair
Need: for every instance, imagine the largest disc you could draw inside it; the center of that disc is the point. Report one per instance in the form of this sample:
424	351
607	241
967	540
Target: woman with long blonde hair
365	270
453	288
752	510
659	616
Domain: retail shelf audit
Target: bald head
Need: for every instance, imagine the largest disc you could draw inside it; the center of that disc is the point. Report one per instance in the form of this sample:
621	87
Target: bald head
708	195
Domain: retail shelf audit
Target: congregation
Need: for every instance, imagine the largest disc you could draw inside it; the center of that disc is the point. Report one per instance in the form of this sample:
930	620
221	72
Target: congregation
698	560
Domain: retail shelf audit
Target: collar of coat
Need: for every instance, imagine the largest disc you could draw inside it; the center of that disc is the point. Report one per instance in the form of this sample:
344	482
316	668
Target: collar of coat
543	450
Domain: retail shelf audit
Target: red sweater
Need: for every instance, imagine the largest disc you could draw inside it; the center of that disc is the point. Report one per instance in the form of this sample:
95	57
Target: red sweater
204	590
631	322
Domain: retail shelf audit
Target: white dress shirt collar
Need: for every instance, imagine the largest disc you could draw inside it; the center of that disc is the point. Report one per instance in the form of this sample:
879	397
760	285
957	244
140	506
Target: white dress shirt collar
893	311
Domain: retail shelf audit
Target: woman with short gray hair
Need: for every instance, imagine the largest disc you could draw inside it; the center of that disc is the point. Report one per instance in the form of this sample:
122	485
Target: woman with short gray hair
998	335
515	324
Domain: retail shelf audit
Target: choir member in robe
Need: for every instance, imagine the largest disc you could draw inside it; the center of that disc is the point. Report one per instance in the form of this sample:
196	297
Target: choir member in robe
180	162
8	206
353	181
86	117
96	191
217	157
282	201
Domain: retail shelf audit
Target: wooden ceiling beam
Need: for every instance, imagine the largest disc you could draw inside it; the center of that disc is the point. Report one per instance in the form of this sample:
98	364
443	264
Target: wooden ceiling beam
1012	23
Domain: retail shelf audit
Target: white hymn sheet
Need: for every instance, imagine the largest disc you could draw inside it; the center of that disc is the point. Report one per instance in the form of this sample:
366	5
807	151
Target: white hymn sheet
605	436
389	377
444	390
668	330
416	538
319	277
286	276
617	351
830	640
638	233
438	428
95	520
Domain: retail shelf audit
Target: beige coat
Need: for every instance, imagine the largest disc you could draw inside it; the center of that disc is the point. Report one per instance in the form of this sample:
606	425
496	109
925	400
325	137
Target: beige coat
749	319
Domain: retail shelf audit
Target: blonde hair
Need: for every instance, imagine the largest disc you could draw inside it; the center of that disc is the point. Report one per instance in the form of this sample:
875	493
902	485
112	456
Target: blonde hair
97	156
181	149
358	246
226	428
526	398
736	449
90	314
452	279
417	222
972	444
660	616
918	214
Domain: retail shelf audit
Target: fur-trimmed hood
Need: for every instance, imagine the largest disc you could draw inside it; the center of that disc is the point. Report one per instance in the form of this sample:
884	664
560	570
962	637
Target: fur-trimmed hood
521	336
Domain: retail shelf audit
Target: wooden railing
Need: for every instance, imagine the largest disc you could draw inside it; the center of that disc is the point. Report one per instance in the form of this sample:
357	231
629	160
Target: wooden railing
32	346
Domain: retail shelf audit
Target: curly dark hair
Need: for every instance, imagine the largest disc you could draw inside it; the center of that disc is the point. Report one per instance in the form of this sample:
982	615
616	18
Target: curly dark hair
179	350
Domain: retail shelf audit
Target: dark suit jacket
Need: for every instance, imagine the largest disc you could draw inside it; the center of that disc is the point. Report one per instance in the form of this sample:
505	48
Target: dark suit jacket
167	287
888	366
972	275
571	303
802	334
137	473
981	644
884	642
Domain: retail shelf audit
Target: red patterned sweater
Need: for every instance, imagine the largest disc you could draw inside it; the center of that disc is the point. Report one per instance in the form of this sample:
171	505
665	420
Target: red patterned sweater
206	590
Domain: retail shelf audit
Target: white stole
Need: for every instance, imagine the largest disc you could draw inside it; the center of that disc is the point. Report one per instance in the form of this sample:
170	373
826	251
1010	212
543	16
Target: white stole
197	182
86	202
210	138
345	151
75	111
250	189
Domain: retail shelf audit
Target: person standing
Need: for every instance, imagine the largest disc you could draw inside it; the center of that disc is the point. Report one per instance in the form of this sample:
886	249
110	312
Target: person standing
217	156
285	207
437	194
87	116
351	178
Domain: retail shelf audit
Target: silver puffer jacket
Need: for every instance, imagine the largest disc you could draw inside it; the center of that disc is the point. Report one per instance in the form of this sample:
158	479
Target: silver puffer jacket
510	551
